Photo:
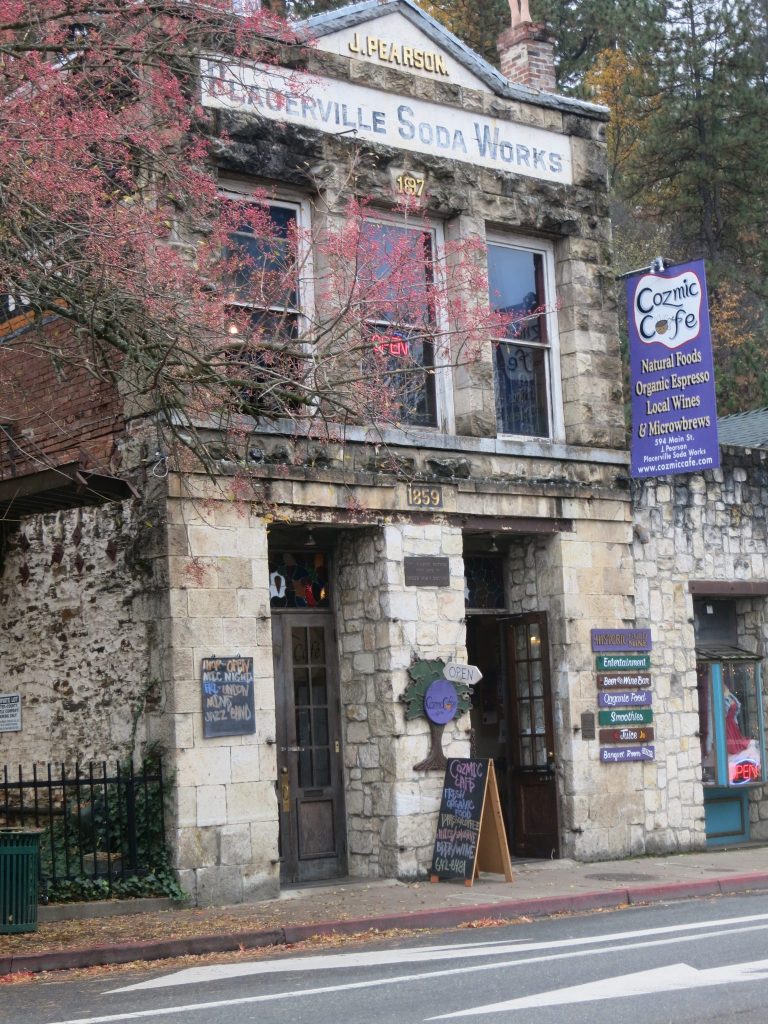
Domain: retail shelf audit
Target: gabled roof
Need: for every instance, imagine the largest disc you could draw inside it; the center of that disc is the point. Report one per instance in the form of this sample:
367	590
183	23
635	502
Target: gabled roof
744	429
352	15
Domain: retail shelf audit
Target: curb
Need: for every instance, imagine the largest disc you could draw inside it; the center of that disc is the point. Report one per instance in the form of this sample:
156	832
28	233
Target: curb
547	906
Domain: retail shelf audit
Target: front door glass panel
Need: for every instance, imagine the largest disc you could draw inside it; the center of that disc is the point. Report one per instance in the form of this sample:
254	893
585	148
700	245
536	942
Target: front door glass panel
531	726
310	692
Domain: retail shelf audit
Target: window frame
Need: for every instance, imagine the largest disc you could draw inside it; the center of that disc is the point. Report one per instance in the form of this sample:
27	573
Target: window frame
550	347
441	367
230	189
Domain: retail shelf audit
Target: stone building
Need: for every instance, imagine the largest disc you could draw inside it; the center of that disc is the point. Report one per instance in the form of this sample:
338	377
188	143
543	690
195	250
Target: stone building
495	528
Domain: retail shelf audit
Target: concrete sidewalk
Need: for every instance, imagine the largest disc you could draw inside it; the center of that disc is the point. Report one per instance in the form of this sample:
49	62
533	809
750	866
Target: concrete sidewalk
540	888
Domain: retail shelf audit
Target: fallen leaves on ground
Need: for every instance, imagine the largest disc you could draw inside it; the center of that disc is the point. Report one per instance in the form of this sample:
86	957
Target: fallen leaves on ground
314	944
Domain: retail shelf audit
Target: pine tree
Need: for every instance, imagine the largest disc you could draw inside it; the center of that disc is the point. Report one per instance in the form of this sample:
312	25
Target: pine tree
687	148
585	28
297	9
479	25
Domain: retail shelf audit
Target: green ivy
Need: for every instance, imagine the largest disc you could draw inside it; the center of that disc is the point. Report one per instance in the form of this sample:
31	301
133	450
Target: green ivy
99	826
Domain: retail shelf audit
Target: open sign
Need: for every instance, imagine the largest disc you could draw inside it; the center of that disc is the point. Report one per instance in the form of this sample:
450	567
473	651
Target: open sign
744	771
390	344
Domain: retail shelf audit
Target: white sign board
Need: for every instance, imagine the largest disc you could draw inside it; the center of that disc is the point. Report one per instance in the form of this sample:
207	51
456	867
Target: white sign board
344	108
456	672
395	42
10	712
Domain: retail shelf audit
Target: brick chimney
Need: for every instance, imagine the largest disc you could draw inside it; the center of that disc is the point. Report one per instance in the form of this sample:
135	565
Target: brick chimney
527	51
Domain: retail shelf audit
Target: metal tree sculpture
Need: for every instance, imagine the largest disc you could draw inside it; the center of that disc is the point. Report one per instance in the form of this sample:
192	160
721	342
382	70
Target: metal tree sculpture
423	674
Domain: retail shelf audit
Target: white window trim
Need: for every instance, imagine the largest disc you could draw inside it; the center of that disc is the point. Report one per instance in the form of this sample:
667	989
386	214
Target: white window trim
444	407
552	363
233	188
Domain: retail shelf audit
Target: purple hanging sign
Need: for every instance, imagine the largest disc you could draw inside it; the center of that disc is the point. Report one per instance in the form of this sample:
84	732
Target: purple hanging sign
441	702
625	755
627	699
674	413
620	640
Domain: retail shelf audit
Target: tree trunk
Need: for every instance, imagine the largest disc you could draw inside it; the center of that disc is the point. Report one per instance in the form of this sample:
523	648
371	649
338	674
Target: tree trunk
435	759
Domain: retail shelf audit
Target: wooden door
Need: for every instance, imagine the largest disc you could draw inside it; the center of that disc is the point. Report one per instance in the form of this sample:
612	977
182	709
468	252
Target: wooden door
309	759
531	741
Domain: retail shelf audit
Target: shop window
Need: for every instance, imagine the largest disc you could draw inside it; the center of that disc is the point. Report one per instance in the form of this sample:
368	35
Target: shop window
731	729
484	582
526	372
299	579
399	270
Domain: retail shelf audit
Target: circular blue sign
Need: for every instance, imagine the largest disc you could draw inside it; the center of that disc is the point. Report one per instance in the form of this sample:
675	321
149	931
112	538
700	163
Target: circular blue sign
441	702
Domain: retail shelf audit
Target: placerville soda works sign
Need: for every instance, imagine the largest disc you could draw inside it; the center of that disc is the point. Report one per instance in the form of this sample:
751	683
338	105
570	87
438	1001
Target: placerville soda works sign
674	414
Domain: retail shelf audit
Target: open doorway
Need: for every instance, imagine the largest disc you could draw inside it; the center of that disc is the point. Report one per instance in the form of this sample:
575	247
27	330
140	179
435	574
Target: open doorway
512	723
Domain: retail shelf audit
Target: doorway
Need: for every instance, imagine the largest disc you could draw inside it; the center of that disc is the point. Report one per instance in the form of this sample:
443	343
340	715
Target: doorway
512	723
309	760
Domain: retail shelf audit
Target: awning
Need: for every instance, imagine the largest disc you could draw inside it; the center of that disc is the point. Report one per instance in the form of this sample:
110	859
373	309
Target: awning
724	652
51	490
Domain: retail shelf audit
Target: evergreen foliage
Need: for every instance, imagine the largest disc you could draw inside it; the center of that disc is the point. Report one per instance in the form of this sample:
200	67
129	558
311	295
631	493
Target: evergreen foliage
585	28
479	25
687	147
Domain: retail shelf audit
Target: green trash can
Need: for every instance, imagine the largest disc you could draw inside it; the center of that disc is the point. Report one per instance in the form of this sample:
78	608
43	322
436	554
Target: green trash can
19	859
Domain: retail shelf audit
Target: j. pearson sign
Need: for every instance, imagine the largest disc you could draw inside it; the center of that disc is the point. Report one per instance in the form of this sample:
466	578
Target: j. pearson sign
674	414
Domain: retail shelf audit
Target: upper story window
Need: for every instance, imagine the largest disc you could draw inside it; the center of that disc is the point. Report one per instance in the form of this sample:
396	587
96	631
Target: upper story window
265	304
400	263
526	357
264	277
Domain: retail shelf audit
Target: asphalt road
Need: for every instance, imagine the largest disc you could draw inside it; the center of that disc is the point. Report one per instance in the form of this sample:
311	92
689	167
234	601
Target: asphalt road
700	961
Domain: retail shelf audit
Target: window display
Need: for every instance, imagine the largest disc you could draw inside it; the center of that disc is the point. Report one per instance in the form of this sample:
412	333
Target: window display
730	723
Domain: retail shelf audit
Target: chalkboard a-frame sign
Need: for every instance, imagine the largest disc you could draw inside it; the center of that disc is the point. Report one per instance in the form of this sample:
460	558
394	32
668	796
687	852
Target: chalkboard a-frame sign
227	691
470	827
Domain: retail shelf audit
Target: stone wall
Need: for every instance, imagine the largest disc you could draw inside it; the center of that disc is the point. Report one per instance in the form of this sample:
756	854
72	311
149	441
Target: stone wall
78	610
469	201
583	579
224	817
709	527
383	627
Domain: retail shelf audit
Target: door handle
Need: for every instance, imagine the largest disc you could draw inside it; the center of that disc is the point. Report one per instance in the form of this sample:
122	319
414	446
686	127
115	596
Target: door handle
291	750
285	790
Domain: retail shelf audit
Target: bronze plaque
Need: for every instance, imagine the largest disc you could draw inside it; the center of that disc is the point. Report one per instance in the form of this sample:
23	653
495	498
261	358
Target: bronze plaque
427	571
587	726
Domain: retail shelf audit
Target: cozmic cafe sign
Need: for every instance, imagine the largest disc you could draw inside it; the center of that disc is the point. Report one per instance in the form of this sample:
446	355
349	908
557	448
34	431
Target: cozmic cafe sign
674	413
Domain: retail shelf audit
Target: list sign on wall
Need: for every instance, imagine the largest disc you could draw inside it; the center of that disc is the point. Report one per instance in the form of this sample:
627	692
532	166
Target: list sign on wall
624	694
227	692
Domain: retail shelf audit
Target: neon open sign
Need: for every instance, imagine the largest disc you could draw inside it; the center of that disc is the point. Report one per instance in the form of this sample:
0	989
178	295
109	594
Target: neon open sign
744	771
390	344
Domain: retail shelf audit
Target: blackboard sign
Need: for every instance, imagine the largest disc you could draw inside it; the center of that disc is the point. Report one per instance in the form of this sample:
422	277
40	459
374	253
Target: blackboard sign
458	824
228	707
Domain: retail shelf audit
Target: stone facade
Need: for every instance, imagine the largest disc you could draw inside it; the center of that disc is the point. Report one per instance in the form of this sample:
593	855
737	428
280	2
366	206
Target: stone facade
224	810
120	606
703	527
78	622
383	627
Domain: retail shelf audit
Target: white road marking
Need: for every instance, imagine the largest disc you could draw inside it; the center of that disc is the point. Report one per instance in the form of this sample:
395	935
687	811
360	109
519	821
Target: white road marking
671	978
420	954
397	980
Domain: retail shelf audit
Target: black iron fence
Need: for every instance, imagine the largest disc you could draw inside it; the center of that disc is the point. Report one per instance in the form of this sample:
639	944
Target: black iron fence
99	823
